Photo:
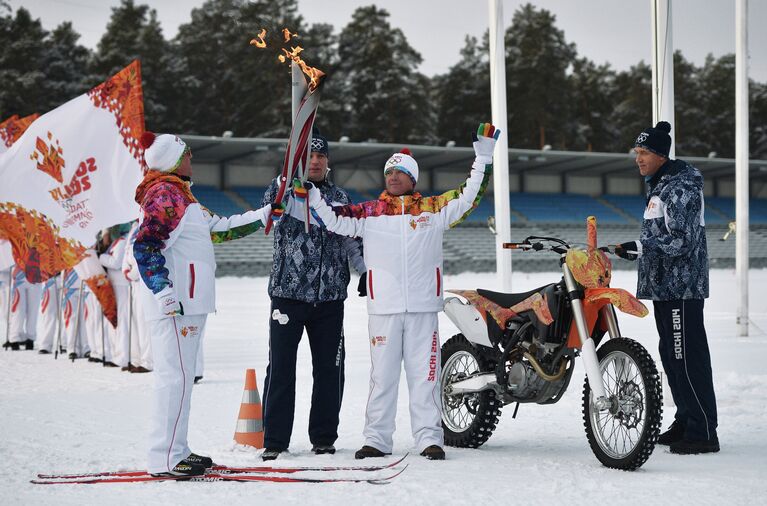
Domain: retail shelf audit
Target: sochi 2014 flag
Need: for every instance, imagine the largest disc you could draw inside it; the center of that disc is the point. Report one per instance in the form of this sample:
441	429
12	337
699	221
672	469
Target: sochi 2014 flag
13	128
72	173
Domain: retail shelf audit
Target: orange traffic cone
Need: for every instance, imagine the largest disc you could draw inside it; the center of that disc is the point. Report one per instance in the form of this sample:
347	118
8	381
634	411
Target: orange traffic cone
250	425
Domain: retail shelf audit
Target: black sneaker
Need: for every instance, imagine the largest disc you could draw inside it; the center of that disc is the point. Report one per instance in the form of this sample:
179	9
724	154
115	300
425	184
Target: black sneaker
433	452
29	344
44	352
323	449
193	458
674	433
11	346
184	468
689	447
197	379
369	452
271	454
72	356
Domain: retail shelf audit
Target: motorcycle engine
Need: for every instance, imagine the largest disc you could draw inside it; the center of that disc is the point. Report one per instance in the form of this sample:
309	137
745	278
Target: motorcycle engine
523	381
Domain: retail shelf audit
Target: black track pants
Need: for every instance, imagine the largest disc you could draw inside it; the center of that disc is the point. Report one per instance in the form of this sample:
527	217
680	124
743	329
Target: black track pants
324	327
687	362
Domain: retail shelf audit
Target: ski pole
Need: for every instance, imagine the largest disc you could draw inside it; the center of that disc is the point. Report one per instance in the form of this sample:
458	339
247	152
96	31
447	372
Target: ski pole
8	312
60	321
130	324
73	353
103	341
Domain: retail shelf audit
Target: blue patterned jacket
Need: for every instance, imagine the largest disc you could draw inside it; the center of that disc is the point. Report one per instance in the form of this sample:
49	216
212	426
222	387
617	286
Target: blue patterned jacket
674	260
311	267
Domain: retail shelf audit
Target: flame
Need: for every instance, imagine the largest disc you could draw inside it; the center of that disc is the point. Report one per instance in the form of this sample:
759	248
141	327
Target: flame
314	74
288	35
259	40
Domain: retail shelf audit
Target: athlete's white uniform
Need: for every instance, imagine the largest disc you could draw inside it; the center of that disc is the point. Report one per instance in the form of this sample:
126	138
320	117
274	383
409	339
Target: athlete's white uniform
112	260
25	299
74	314
187	255
141	349
402	245
49	314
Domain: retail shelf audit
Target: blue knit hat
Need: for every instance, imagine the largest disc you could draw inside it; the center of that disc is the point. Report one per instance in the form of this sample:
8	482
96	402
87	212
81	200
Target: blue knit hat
656	139
320	144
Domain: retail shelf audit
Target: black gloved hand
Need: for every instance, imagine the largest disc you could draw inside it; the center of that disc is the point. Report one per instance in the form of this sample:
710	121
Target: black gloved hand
362	287
627	250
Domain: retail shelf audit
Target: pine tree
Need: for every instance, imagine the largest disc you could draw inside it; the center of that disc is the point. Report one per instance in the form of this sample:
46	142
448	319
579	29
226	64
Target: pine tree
632	108
717	78
689	115
22	46
538	89
133	32
462	96
66	65
387	98
593	94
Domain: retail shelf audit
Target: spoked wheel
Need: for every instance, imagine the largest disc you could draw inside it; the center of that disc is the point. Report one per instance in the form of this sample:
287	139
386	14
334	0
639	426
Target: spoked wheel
624	435
468	420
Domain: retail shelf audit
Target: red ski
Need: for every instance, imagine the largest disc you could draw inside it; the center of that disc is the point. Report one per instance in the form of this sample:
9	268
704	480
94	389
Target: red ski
224	470
215	476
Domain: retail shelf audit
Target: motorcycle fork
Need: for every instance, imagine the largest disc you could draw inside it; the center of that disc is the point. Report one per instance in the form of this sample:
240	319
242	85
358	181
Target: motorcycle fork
588	348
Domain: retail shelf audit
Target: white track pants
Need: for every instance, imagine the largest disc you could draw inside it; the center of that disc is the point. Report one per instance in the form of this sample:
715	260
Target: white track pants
175	342
74	323
49	318
414	339
97	330
121	335
24	308
141	347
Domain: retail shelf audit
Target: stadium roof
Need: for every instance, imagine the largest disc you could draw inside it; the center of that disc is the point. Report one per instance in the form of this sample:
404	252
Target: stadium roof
369	155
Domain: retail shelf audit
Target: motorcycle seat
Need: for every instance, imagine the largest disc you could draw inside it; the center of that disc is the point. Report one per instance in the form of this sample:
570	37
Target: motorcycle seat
509	299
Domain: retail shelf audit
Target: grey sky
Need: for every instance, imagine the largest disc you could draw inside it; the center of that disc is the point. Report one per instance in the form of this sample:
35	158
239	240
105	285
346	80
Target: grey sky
612	31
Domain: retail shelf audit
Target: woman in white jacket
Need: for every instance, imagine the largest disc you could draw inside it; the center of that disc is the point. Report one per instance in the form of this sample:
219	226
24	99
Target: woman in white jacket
402	243
174	254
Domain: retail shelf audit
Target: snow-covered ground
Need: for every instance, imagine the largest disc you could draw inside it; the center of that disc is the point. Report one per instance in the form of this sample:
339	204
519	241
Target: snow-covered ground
57	416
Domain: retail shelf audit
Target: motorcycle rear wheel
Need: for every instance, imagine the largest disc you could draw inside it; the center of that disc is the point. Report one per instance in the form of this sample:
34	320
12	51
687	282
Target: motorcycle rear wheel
624	436
467	420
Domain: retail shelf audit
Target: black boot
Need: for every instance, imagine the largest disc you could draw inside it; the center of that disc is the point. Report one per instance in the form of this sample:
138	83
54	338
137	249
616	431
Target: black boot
29	344
193	458
323	449
369	452
689	447
184	468
674	433
197	379
271	454
433	452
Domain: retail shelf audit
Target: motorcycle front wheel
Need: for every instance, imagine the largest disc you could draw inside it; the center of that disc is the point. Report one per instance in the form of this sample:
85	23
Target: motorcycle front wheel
624	436
468	420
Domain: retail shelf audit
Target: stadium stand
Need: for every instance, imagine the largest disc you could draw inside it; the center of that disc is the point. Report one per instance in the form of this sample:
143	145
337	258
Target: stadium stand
216	200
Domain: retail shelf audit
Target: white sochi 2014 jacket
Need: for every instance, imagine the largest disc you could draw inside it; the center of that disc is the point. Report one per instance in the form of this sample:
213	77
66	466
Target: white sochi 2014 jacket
402	241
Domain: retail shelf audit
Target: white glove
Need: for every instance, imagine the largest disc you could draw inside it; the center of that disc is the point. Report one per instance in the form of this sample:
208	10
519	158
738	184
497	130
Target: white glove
484	142
169	304
315	196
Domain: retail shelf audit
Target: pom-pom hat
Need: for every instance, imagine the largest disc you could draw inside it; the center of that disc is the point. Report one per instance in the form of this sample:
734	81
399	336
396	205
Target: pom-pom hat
656	139
163	152
403	162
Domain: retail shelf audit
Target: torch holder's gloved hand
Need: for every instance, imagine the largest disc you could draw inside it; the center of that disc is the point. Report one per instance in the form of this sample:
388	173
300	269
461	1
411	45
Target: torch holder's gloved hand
362	286
484	142
169	303
630	250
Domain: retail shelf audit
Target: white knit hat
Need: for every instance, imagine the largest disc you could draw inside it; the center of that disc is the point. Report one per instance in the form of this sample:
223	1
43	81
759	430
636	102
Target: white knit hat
403	162
162	152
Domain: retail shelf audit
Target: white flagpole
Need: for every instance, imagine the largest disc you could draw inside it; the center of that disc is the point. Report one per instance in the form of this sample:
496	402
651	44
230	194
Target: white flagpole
741	164
663	67
501	155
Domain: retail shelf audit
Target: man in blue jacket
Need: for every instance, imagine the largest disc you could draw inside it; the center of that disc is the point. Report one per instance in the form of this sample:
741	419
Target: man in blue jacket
673	272
307	286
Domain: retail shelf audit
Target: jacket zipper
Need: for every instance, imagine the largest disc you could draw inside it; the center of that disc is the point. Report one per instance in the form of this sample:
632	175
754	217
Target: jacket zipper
319	272
404	251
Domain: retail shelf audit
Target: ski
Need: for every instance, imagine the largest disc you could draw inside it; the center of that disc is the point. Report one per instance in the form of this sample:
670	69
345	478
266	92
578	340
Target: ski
226	470
211	476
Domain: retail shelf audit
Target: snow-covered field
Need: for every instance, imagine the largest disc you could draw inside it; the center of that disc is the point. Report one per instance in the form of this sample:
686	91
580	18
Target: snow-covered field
62	417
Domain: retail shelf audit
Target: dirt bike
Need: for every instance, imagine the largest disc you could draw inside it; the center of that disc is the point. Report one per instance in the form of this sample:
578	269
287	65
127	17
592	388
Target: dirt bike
521	348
